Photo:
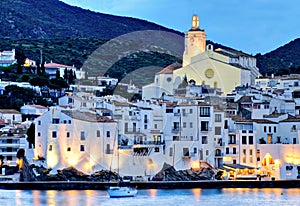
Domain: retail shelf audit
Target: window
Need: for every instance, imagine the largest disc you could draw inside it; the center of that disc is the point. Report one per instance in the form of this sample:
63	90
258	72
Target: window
227	150
98	133
204	111
55	121
130	113
191	111
204	126
50	147
82	136
265	128
184	124
156	149
69	121
81	148
69	149
155	126
145	126
250	152
195	150
244	156
275	129
270	129
258	155
171	152
218	118
234	150
39	122
204	140
226	124
169	110
39	134
54	134
107	133
244	140
217	130
108	150
68	134
250	139
207	153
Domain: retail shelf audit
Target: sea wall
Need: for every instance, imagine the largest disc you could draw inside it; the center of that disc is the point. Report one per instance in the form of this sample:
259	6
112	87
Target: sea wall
150	185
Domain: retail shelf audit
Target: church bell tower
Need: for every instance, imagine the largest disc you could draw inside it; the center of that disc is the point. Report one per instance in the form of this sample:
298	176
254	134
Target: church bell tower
195	41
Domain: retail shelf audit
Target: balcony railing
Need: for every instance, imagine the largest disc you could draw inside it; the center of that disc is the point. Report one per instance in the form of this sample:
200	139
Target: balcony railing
176	130
149	142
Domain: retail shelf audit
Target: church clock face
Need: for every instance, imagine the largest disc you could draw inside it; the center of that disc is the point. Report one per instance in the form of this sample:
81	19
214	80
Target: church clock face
209	73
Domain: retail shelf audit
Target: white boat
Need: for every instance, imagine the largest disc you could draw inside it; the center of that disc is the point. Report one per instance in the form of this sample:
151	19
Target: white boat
121	191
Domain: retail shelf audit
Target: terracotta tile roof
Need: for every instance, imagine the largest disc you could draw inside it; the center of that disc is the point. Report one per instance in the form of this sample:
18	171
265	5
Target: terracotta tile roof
86	116
55	65
37	106
9	111
169	69
291	120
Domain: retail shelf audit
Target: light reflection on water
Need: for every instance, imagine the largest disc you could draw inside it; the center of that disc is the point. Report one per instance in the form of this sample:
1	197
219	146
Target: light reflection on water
220	197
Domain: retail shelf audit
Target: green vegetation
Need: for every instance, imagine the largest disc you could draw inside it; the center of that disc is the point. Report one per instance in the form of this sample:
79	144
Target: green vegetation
284	60
54	19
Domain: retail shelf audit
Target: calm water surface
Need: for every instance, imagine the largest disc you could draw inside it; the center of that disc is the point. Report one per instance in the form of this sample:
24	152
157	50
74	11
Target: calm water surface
153	197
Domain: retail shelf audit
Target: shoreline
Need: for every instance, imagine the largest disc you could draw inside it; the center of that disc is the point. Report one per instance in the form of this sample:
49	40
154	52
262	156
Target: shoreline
80	185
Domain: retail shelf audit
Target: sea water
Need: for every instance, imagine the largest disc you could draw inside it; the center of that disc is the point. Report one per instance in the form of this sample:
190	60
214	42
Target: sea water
155	197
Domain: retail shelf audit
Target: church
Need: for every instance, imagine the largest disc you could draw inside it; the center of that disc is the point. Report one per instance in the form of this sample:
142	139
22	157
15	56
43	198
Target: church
222	68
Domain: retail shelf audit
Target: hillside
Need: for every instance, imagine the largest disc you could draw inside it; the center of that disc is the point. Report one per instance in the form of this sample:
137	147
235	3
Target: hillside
285	59
55	19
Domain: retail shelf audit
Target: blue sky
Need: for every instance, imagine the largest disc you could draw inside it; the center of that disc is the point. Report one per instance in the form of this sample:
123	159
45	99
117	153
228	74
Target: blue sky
252	26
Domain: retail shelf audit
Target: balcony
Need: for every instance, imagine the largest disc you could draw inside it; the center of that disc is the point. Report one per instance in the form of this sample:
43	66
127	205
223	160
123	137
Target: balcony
149	142
205	129
132	130
188	155
219	154
176	130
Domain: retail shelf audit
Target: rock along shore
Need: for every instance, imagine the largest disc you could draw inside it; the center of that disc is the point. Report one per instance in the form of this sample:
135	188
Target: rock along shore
83	185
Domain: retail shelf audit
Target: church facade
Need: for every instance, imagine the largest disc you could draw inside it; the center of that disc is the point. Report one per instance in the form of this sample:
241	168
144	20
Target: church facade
218	68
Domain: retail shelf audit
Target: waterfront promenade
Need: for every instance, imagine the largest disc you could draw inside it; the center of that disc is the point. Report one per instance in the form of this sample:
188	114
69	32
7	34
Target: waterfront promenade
78	185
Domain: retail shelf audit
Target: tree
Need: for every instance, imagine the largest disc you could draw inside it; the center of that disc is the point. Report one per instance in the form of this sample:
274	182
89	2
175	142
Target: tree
71	77
43	70
38	68
39	81
20	56
58	84
20	153
65	74
1	160
57	74
31	135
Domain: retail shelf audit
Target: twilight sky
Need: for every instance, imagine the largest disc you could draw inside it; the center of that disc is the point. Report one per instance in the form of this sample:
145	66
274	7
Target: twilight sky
252	26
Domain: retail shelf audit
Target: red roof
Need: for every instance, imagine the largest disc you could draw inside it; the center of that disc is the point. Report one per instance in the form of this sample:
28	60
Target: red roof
54	65
169	69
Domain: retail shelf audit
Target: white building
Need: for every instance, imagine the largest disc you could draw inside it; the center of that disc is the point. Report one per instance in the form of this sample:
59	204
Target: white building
10	116
81	139
7	58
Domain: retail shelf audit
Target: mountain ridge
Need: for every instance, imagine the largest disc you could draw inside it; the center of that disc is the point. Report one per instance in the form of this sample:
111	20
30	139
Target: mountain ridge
54	18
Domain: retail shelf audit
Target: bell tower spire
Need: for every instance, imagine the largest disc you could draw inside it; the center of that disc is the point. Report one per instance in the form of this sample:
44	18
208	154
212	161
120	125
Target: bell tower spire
195	41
